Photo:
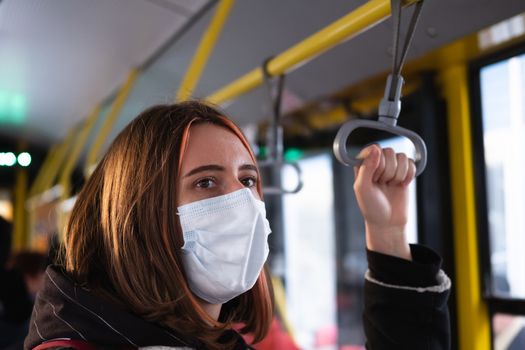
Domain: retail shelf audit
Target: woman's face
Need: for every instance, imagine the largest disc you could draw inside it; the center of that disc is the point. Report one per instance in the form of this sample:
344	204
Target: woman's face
215	163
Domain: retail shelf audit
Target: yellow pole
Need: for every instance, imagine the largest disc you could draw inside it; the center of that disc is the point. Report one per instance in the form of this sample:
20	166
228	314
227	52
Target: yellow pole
65	176
280	301
112	117
44	181
36	187
20	240
354	23
69	166
473	318
204	50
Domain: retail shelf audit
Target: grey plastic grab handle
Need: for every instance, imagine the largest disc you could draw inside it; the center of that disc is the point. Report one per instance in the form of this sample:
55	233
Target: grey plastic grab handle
280	191
341	152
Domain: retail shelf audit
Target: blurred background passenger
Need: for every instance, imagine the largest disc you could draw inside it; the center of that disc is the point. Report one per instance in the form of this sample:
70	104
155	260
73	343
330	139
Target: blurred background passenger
21	277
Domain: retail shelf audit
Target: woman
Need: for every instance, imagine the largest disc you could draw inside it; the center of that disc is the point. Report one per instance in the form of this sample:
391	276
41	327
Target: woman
166	244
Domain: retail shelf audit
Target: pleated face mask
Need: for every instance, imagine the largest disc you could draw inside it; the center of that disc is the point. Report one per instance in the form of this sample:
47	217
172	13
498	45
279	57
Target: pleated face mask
225	244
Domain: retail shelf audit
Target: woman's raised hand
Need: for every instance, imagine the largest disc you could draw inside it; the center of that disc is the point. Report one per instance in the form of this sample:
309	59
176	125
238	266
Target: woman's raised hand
381	188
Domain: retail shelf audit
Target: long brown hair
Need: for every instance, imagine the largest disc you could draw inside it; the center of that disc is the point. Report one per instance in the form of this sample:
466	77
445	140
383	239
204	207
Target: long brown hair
124	240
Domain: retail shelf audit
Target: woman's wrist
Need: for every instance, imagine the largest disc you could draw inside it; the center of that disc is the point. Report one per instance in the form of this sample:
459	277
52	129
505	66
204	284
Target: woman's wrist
389	241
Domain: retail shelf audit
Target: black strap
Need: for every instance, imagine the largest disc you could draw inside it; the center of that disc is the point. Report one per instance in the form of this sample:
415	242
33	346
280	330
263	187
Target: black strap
399	59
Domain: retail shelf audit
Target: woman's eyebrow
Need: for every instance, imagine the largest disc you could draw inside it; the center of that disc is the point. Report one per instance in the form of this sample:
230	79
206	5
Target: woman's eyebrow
249	167
213	167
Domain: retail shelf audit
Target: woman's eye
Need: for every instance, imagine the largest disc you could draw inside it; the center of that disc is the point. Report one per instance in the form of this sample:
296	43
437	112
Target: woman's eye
249	182
205	183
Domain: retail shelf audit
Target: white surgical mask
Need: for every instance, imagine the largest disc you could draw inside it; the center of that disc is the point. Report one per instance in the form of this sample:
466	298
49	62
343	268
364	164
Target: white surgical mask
225	244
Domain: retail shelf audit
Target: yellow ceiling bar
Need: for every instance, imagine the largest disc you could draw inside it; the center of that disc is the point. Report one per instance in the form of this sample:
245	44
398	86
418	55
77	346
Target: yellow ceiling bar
204	50
354	23
71	161
473	318
112	117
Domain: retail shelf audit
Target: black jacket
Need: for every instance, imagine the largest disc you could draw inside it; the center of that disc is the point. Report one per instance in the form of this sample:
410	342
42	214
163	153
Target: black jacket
406	302
66	310
405	308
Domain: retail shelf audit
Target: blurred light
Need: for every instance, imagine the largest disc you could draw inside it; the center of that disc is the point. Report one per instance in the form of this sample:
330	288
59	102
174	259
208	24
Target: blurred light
24	159
502	32
293	154
13	107
18	108
3	106
262	152
6	209
7	159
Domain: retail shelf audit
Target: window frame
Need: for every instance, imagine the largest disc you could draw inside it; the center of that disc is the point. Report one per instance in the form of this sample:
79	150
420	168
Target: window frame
496	303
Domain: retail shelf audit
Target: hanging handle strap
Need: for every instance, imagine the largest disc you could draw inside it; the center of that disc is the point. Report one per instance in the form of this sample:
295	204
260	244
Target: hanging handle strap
397	62
275	136
390	105
344	132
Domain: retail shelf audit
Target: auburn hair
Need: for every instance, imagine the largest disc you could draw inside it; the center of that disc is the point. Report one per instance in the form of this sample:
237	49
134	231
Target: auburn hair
123	238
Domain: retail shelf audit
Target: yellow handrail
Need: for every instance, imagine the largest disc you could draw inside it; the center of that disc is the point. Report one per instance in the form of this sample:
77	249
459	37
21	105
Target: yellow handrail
57	161
112	117
354	23
36	186
69	166
204	50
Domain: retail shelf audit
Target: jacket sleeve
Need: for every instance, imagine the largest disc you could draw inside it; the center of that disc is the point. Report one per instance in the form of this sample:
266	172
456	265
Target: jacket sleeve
406	302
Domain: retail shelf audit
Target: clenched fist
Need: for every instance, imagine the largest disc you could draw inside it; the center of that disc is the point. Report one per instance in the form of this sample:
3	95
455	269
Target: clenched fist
381	187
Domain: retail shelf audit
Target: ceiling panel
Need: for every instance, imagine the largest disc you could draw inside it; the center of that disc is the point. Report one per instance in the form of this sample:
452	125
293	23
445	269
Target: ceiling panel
58	58
258	29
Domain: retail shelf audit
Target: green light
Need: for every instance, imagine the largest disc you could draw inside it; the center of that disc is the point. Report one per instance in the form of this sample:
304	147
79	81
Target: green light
18	109
262	152
24	159
13	108
3	107
7	159
293	154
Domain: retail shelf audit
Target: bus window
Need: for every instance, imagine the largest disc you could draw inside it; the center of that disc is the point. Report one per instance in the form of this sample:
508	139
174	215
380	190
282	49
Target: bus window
499	140
310	257
503	113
